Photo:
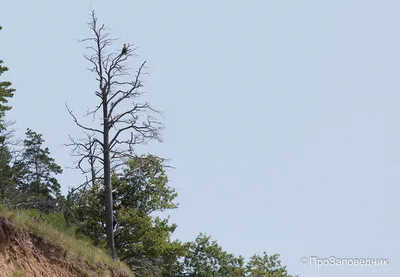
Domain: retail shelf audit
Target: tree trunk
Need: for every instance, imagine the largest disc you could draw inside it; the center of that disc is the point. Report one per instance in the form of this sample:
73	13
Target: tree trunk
107	184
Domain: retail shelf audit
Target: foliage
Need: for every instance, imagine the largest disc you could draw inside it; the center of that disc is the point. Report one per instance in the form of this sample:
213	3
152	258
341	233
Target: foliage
36	170
266	266
6	92
142	240
85	211
7	188
144	186
144	243
205	258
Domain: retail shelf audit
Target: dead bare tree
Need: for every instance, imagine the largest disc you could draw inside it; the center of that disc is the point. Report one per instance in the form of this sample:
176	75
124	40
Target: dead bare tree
125	121
8	139
10	150
88	154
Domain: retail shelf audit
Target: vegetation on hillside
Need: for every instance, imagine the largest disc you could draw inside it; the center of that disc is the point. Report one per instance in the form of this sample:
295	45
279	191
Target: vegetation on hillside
52	228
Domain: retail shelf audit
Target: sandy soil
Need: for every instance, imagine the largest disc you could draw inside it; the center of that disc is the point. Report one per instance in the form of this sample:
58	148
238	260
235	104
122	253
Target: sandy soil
25	254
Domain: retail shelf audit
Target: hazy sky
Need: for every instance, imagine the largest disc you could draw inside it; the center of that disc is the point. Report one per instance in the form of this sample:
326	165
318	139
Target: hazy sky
281	116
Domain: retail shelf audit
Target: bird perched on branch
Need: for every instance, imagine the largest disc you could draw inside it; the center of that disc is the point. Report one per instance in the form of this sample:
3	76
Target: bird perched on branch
124	50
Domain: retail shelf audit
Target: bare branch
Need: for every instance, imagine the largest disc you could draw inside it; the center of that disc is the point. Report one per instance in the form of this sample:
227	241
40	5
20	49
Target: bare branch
80	125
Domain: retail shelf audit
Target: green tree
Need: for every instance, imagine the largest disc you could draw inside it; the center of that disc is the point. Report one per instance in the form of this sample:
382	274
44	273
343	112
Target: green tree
7	186
6	92
266	266
141	191
36	177
85	211
142	240
205	258
143	185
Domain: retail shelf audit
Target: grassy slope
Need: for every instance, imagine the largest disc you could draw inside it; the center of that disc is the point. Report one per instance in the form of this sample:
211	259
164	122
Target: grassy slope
54	232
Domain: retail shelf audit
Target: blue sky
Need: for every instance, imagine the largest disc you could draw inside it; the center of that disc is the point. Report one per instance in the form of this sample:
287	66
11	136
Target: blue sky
281	116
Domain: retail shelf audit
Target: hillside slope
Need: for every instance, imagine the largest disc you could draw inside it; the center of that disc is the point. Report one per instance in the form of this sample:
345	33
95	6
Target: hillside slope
32	248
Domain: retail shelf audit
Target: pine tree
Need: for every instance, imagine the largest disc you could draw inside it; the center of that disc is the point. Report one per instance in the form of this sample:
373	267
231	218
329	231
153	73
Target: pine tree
37	174
5	92
7	187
